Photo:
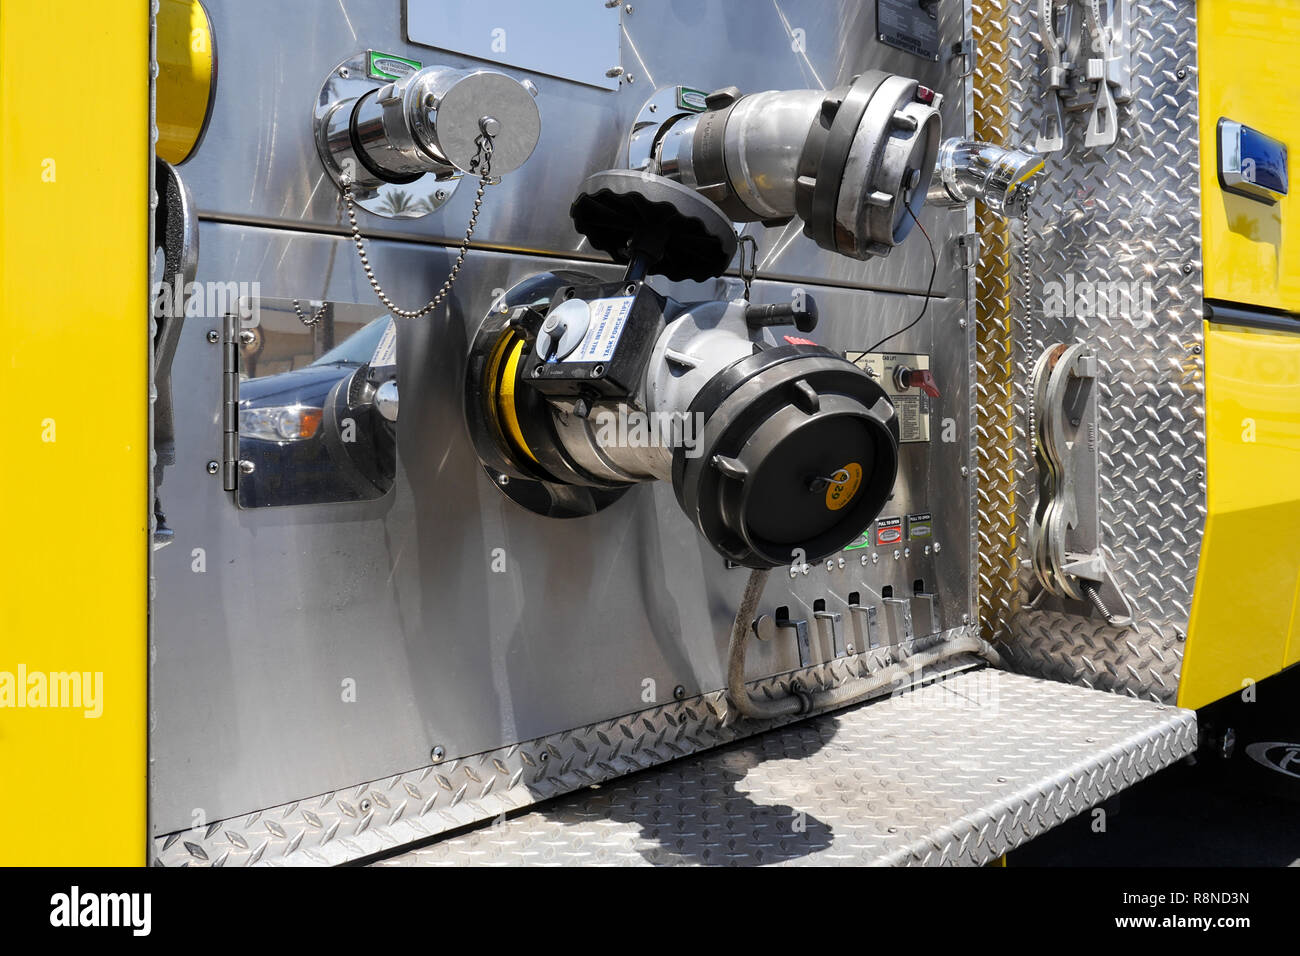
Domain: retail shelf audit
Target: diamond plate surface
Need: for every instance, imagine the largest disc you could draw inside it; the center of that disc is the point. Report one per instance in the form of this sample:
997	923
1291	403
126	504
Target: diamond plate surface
380	815
995	423
1125	213
955	773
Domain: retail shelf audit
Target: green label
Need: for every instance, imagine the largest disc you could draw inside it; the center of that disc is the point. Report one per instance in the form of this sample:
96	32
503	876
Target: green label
689	99
388	66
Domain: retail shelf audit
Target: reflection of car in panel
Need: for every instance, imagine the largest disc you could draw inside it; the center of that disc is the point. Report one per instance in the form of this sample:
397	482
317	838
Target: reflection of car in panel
312	434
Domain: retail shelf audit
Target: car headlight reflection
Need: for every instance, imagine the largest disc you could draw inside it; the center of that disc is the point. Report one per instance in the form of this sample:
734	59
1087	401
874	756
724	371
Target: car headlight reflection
279	422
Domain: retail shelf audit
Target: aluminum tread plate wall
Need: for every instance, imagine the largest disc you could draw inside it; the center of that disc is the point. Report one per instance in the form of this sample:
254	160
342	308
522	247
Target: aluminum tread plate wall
1128	213
954	773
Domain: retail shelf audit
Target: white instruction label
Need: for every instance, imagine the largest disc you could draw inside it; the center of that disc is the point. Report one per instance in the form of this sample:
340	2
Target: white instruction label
386	350
608	316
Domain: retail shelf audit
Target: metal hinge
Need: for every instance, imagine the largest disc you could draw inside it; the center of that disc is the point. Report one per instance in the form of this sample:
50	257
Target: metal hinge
230	402
968	250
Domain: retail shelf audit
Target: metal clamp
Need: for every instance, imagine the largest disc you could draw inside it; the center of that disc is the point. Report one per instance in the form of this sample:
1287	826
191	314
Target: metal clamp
1063	534
1112	68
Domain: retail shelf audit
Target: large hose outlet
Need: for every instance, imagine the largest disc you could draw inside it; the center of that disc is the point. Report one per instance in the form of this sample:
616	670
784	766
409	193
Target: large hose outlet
854	163
779	451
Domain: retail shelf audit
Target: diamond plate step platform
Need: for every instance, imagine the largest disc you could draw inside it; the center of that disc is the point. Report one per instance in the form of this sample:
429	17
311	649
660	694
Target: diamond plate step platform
954	773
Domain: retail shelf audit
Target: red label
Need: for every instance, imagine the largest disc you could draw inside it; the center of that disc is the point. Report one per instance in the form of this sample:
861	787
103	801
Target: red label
889	531
795	340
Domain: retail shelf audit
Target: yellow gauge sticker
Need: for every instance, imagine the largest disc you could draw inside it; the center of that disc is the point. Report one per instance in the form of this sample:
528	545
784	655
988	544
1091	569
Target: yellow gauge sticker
839	493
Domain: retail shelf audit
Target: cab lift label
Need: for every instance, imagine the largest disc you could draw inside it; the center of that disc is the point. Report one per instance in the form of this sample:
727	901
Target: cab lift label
911	404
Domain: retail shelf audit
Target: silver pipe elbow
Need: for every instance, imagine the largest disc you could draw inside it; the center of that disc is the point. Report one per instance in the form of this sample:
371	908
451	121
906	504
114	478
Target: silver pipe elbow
1001	177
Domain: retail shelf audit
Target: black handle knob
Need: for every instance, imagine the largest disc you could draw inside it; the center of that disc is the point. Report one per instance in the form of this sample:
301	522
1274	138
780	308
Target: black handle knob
802	314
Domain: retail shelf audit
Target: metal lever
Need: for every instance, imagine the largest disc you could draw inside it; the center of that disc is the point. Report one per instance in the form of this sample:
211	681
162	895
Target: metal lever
837	631
1110	39
866	625
1051	137
801	639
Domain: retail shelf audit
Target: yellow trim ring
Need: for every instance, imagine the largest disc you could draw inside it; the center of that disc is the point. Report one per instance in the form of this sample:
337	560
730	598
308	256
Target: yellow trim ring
186	74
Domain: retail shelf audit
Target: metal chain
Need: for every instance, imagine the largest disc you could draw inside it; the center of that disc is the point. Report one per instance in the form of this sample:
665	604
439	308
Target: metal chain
1027	302
484	156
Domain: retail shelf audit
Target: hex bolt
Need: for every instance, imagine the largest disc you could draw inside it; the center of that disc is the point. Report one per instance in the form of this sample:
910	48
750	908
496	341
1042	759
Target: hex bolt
213	467
437	754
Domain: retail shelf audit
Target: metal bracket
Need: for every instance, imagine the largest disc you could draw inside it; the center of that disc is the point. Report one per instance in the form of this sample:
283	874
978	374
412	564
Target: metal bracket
966	50
968	250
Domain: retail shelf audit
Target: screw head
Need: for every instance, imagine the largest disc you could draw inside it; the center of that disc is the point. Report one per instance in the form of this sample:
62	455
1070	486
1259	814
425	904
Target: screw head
246	467
1187	268
436	754
213	467
440	195
344	72
936	547
490	125
214	336
679	692
1181	74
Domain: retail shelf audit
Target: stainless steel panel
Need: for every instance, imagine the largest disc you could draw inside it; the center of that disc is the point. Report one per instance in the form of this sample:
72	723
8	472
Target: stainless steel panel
1128	213
303	649
399	595
257	162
